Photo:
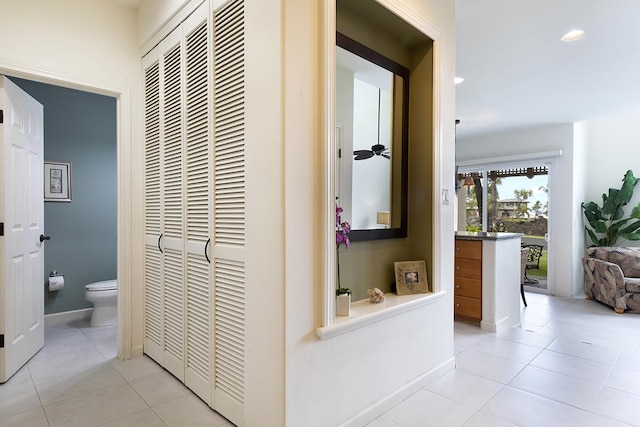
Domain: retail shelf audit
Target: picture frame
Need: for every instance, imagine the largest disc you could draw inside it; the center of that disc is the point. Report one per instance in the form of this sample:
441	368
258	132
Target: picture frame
57	182
411	277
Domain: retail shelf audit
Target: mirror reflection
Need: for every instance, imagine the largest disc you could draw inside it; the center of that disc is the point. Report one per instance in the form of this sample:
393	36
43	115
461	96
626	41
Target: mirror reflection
371	103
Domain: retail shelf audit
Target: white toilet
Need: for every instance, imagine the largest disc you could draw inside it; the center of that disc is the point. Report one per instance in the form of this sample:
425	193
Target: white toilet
104	296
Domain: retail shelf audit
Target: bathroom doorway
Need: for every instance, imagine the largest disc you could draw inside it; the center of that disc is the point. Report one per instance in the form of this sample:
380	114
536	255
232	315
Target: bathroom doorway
81	130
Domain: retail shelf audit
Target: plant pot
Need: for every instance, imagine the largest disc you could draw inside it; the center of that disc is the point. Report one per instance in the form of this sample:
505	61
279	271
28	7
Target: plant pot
343	305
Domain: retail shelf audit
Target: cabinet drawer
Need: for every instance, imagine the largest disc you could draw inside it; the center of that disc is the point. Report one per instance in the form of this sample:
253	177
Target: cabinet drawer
471	249
468	307
467	287
469	268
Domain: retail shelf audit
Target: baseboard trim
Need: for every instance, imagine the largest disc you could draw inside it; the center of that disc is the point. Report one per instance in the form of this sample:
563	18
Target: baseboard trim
137	351
382	406
83	313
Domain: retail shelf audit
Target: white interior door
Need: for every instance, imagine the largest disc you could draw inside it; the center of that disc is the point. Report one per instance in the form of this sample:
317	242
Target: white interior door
198	205
21	213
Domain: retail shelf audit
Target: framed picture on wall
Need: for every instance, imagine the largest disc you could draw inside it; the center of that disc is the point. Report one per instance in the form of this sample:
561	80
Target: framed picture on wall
411	277
57	182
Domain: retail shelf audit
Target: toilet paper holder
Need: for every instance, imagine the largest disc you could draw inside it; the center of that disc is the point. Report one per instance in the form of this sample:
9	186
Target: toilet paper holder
56	281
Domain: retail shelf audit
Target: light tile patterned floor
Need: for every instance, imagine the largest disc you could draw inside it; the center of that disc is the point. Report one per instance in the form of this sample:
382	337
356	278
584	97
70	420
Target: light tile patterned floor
75	380
574	363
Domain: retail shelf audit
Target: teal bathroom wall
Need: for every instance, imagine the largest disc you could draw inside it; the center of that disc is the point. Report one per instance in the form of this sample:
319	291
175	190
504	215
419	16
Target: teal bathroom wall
79	128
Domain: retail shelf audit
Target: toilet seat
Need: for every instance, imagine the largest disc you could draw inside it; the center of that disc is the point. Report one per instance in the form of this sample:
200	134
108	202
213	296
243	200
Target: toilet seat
106	285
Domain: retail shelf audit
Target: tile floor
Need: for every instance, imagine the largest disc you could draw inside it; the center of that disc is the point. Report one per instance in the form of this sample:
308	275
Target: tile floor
574	363
75	380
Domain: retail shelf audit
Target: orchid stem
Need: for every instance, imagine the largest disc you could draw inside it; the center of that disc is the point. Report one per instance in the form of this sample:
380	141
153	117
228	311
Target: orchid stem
338	264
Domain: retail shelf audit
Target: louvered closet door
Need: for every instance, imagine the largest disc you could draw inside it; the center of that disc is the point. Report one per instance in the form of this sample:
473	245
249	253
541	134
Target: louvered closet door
173	209
164	290
153	277
199	311
194	203
229	209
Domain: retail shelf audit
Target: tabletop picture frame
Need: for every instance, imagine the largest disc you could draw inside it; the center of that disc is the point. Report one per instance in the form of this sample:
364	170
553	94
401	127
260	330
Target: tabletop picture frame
57	182
411	277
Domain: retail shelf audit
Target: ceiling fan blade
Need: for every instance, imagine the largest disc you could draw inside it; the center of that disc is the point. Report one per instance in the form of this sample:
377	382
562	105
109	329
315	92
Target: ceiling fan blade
362	154
386	156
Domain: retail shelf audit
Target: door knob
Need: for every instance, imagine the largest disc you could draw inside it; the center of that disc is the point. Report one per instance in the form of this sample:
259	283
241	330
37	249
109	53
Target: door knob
43	238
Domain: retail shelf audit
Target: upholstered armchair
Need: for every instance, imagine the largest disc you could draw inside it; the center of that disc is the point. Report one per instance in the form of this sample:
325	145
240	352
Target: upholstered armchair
612	276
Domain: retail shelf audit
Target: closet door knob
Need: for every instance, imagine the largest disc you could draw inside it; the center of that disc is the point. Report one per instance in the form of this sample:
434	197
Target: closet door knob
159	247
43	238
206	245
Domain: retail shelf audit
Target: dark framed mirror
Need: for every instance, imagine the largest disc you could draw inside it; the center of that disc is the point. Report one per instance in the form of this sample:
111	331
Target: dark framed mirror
372	136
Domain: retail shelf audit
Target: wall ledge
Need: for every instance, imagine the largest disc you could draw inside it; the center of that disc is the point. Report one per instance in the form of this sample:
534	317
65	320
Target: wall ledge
365	313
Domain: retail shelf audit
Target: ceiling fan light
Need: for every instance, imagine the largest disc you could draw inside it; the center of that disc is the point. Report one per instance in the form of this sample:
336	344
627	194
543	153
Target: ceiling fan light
573	35
458	80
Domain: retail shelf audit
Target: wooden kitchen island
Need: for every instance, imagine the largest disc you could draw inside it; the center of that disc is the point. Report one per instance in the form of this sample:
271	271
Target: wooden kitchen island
487	279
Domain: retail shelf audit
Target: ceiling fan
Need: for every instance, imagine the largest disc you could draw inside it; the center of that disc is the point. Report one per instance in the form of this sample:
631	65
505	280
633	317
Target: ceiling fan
376	149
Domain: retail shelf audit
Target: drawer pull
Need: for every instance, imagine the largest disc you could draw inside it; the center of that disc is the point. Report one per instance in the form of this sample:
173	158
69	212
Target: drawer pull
457	286
457	305
458	249
457	267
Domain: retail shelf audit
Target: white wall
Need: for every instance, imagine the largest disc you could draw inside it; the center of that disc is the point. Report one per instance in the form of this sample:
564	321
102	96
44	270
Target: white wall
89	46
580	171
564	203
327	382
90	41
292	378
613	148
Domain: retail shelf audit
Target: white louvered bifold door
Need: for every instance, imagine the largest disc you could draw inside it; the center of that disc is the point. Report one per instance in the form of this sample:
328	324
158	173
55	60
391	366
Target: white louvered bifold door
229	210
198	204
194	205
153	280
173	198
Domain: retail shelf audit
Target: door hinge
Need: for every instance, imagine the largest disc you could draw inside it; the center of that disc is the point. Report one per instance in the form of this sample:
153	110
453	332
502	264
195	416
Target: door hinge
339	153
2	341
1	228
1	117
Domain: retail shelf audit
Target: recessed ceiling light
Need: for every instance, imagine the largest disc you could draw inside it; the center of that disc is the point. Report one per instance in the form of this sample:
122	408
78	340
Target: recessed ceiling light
573	35
458	80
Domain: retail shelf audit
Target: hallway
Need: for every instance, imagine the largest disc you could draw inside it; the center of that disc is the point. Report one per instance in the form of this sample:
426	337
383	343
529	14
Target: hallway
575	363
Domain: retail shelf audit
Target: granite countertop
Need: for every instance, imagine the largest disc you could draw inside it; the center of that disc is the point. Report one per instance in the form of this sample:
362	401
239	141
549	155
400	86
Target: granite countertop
483	235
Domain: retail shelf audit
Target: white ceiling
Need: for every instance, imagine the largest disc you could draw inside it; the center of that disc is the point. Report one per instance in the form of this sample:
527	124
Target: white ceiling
518	73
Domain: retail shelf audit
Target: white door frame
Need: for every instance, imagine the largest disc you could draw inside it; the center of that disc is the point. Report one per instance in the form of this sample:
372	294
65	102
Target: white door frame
547	158
124	192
